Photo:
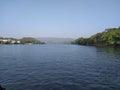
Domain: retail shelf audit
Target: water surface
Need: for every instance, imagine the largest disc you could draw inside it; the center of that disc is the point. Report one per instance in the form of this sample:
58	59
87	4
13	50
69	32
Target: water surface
59	67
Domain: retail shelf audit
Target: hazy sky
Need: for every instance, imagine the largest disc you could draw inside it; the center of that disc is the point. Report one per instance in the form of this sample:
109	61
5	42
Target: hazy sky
57	18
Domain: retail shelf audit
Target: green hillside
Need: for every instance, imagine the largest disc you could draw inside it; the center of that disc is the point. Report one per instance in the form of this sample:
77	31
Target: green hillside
110	37
31	40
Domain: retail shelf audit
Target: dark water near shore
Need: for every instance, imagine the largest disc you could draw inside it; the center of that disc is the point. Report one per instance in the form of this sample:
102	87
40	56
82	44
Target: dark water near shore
59	67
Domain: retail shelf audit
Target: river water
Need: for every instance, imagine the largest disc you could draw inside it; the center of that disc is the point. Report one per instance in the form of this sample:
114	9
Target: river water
59	67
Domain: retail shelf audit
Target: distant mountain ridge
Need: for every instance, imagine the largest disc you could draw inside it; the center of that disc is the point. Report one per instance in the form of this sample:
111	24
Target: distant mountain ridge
53	40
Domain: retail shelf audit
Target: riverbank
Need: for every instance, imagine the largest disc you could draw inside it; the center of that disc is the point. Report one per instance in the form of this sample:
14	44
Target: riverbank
110	37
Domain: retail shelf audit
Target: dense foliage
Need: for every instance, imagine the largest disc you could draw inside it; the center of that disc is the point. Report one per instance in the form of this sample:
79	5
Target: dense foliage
30	40
110	37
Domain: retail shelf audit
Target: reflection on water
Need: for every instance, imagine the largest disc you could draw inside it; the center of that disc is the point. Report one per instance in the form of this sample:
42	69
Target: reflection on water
110	50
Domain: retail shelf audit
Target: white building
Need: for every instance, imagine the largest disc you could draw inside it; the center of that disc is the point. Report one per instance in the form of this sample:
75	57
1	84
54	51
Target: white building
18	42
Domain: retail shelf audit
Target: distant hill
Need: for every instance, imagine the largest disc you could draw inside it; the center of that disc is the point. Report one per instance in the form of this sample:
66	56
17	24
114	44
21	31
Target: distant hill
52	40
32	40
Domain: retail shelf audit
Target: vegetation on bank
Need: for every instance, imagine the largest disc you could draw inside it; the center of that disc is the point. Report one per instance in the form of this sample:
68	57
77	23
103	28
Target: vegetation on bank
110	37
25	40
30	40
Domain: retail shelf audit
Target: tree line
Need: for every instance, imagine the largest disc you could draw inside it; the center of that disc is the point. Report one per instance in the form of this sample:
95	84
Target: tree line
110	37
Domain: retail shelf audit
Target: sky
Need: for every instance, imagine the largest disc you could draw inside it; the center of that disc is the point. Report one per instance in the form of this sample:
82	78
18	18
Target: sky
57	18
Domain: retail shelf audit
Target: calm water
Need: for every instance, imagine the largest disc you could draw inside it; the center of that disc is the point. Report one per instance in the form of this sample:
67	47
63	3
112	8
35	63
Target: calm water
59	67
